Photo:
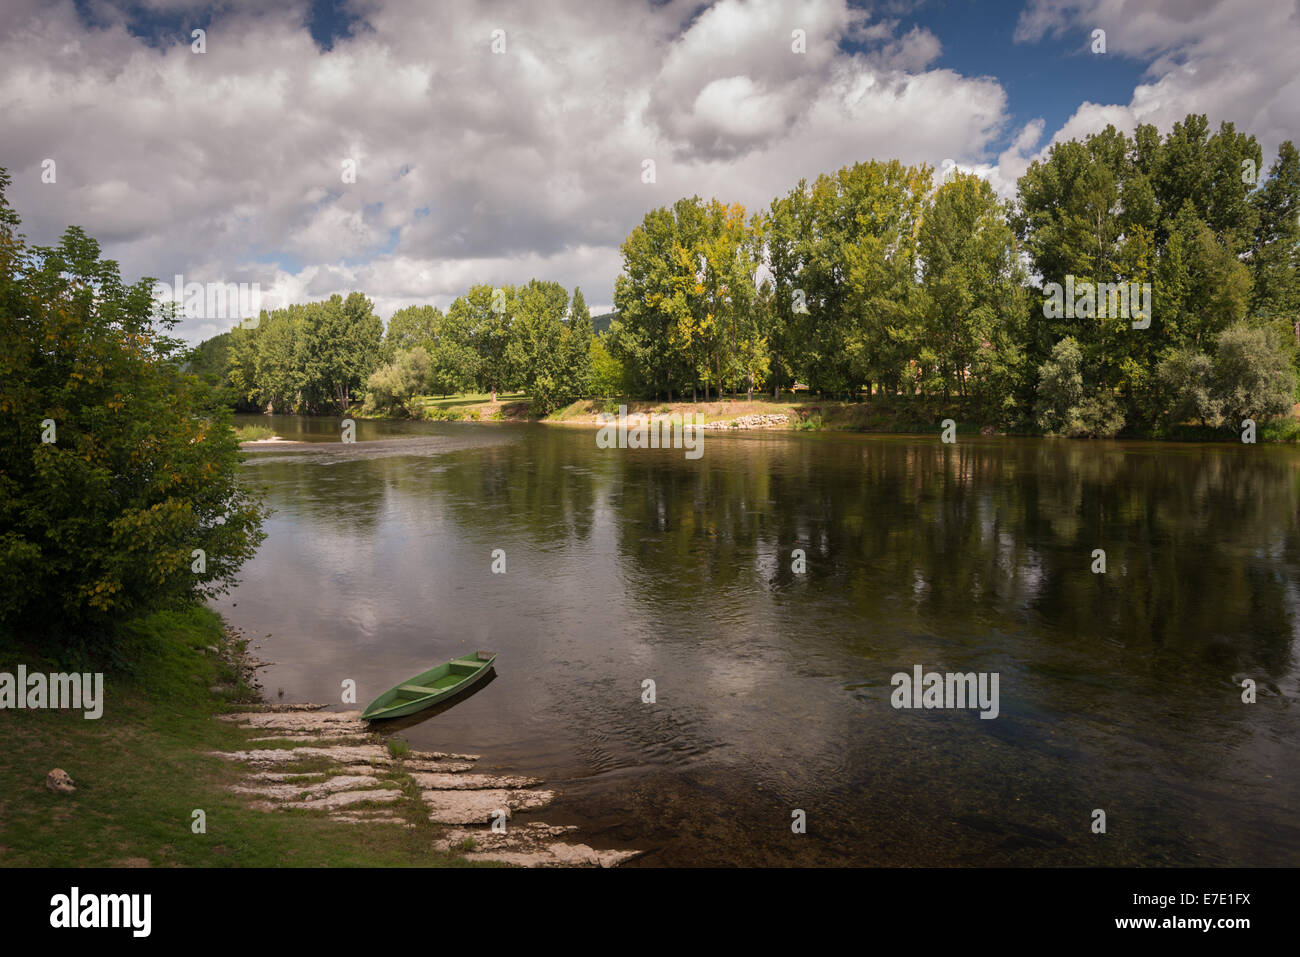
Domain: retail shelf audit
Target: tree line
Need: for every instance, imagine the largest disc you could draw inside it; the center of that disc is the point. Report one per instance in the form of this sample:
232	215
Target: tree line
321	357
880	280
876	280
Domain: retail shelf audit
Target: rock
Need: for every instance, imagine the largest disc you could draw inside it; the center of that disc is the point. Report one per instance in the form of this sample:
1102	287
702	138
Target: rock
278	708
344	754
60	782
530	845
348	798
439	756
306	792
438	767
470	782
286	776
758	420
480	807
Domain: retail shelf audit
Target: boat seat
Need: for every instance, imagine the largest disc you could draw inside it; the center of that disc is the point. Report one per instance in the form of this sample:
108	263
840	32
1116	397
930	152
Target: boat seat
418	689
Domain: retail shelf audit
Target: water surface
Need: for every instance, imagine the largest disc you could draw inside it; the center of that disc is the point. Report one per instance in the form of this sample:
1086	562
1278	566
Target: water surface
1118	691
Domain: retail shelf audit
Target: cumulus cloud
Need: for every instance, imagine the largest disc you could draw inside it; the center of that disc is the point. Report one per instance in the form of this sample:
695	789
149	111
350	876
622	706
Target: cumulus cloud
1229	59
475	166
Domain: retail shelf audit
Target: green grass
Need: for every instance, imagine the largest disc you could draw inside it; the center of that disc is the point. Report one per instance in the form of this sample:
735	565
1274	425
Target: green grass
143	768
251	433
470	398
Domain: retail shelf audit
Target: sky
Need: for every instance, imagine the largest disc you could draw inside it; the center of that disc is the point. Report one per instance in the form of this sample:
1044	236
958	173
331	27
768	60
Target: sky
496	142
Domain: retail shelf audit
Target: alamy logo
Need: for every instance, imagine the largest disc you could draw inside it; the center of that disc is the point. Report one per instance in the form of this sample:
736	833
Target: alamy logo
102	910
58	690
640	431
952	690
1081	299
213	300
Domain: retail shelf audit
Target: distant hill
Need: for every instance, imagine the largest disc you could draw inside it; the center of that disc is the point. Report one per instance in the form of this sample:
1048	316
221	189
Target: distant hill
600	324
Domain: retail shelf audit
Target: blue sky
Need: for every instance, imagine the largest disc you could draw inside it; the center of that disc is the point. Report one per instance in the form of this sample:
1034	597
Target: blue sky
1047	78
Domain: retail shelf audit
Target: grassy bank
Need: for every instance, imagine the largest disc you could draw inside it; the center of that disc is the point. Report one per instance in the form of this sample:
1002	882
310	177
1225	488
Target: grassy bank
897	414
143	767
880	414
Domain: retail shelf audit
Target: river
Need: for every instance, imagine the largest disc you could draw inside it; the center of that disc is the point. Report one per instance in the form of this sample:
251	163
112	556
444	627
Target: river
1118	691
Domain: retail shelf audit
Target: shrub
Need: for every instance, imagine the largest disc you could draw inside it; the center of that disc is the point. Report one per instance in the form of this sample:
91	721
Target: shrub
1065	407
253	433
119	490
392	387
1253	376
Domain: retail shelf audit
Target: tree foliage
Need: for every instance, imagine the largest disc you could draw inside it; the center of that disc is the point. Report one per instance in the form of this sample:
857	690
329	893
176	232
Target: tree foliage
118	474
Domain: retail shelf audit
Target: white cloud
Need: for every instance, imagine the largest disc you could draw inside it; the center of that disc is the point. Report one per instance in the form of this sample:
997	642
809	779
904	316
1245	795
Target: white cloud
471	166
1233	60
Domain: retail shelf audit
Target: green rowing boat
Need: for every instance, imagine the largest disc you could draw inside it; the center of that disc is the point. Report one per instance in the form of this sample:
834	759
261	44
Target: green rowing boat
430	687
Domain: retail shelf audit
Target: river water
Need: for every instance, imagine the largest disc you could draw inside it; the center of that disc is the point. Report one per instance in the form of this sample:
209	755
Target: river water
1118	691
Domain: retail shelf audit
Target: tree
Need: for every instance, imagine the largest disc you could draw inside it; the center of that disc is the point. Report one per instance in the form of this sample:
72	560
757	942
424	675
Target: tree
577	347
1065	405
975	297
340	346
1275	256
537	345
411	327
394	385
1253	376
608	377
119	489
1185	381
483	314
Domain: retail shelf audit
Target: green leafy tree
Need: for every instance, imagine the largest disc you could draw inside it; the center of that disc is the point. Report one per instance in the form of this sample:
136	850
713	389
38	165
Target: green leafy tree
394	386
608	376
1066	405
118	477
411	327
483	315
1185	382
976	299
537	346
1253	376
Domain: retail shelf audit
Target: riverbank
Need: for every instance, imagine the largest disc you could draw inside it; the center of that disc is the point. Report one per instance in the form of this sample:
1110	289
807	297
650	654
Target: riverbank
899	415
141	770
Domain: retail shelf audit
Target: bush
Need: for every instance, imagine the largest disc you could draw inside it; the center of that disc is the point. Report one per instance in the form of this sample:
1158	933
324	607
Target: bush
253	433
1253	376
392	388
1064	406
1184	381
118	476
1250	376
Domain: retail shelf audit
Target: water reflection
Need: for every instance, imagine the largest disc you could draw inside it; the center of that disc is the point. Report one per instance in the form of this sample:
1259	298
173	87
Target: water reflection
1119	691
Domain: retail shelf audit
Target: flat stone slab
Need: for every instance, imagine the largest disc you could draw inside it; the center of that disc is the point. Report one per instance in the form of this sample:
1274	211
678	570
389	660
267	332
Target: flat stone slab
438	756
471	782
440	767
344	754
352	769
340	799
301	722
286	792
531	845
377	815
481	807
324	737
280	708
